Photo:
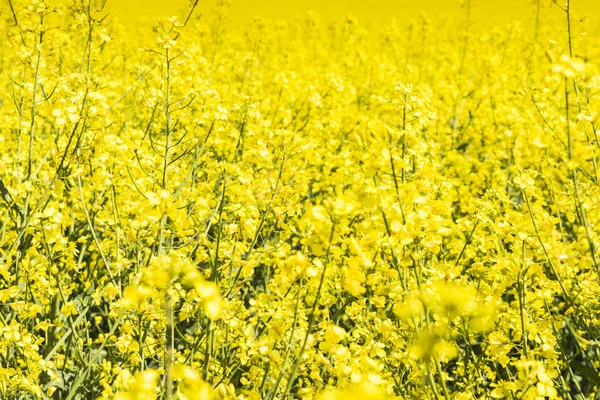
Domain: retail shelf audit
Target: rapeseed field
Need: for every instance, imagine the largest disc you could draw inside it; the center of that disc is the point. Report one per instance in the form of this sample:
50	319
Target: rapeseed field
299	205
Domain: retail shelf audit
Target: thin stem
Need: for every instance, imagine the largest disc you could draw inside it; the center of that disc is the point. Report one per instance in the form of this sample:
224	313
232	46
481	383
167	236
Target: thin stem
34	101
311	319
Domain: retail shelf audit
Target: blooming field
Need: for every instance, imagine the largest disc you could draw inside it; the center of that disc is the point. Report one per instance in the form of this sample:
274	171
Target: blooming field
298	209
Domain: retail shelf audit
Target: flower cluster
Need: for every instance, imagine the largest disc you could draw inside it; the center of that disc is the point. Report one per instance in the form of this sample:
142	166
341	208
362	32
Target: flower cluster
297	209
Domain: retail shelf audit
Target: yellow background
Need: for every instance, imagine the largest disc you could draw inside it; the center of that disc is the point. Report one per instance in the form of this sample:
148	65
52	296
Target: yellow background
368	11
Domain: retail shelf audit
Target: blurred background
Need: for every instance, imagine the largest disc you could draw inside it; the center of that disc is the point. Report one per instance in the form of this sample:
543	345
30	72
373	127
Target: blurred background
368	12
